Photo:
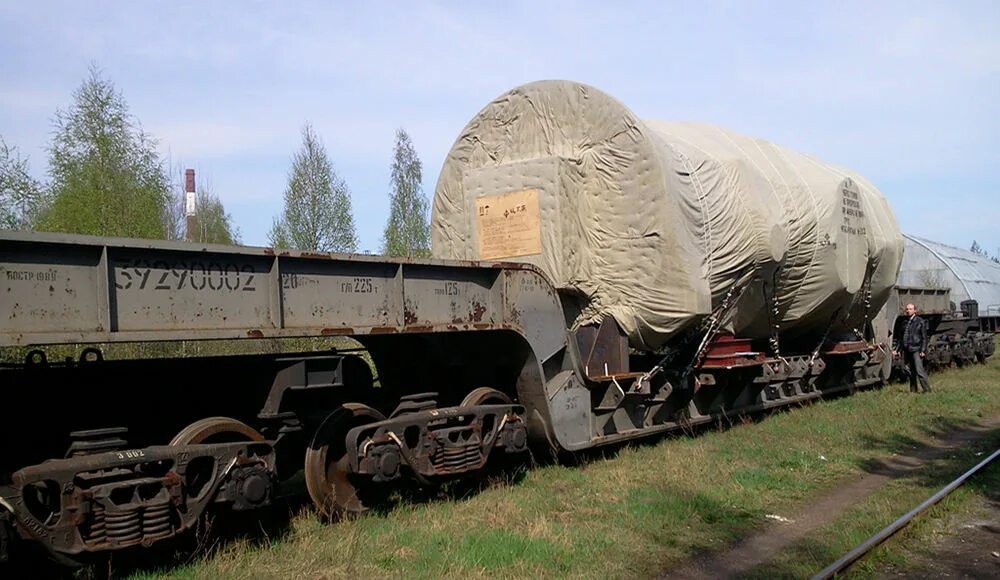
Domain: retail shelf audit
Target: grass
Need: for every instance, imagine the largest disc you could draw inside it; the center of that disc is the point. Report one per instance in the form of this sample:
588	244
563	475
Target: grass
883	507
886	504
637	511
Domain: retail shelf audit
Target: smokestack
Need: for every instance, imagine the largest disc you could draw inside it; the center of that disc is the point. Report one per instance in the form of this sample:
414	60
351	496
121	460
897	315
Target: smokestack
189	205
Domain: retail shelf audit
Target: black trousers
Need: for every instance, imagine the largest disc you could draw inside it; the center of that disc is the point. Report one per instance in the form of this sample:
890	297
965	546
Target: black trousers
916	365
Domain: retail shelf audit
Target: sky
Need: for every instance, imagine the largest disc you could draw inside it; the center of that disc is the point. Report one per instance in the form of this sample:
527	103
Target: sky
905	93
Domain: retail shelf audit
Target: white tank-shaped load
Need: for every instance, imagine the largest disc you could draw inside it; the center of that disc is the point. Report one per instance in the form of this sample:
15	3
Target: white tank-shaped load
657	223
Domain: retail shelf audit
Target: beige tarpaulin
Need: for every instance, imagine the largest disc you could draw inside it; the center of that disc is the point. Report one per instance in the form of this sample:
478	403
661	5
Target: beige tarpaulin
655	223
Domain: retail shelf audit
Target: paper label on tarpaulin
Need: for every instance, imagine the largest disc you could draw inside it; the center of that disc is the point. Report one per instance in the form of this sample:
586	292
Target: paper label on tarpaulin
509	225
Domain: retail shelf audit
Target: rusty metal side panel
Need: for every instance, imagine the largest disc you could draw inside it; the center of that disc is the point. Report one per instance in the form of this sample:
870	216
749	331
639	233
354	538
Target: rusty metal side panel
532	305
468	297
45	289
340	296
153	290
558	404
74	289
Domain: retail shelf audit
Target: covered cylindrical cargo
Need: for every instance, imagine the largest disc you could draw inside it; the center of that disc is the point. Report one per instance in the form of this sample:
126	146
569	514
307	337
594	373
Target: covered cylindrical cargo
661	224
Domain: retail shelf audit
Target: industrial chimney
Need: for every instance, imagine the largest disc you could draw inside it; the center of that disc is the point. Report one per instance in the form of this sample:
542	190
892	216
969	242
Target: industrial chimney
189	205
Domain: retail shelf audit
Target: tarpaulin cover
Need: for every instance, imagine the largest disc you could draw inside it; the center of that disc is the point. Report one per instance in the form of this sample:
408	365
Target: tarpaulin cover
657	223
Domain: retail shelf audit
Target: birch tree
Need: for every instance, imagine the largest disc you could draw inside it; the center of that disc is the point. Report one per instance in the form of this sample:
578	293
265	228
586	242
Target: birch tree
22	197
106	175
407	232
317	213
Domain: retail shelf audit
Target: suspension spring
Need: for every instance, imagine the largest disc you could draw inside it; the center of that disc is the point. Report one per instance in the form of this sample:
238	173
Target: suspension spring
96	531
124	526
156	521
452	459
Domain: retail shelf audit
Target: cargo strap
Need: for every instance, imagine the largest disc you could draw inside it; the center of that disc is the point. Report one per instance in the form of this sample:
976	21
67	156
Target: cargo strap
866	292
867	297
712	323
773	320
709	327
822	339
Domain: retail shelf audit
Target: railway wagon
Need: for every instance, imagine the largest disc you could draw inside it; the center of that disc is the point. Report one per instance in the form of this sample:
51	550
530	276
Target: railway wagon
533	344
956	335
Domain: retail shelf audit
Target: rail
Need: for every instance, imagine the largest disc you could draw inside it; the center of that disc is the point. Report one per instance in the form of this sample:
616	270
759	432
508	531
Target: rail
868	545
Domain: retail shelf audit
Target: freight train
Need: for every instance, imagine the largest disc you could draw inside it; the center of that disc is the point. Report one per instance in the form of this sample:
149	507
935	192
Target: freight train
596	279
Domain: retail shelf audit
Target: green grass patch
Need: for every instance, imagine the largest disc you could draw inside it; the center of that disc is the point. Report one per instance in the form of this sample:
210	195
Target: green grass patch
646	507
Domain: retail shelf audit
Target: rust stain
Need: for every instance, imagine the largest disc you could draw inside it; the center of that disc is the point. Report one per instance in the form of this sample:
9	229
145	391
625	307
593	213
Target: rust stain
383	330
421	328
477	312
336	331
482	326
172	479
316	255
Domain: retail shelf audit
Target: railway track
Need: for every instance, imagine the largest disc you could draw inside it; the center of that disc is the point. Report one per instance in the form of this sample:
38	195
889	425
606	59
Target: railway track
862	549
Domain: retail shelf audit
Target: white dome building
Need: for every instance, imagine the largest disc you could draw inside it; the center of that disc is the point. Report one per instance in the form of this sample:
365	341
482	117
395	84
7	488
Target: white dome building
968	275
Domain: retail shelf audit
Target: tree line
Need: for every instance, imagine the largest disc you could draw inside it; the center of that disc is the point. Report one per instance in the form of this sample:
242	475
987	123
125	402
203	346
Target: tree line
106	178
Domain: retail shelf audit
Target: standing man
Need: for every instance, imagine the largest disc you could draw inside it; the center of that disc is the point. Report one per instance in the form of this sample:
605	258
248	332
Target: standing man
914	347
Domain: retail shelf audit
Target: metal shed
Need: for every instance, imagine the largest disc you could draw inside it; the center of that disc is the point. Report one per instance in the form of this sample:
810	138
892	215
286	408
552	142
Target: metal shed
968	275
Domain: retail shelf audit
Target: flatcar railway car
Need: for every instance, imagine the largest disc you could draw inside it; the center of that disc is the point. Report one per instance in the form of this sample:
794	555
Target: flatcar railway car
588	288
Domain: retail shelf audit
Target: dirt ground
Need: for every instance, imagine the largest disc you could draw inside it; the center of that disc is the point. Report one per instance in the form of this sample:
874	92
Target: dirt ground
966	554
969	549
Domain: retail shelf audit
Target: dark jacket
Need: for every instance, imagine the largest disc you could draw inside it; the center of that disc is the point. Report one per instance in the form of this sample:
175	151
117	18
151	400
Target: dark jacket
915	335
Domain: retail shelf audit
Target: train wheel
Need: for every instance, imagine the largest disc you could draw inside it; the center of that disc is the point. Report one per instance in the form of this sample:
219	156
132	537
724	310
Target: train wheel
205	431
485	396
333	489
216	430
496	463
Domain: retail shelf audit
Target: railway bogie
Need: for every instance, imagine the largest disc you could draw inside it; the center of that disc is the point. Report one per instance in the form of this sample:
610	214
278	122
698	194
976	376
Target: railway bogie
106	501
